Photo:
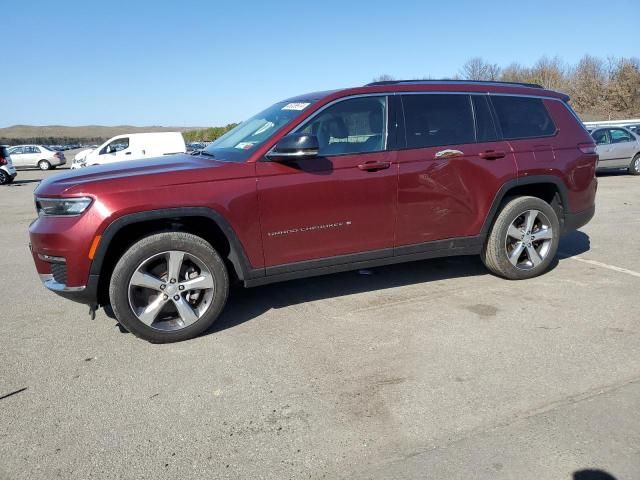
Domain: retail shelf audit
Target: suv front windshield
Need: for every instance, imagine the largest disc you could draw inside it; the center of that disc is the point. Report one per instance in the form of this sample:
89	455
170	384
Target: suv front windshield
240	142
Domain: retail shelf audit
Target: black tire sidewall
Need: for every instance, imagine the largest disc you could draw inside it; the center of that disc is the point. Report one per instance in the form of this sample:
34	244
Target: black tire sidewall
147	247
509	213
5	178
632	166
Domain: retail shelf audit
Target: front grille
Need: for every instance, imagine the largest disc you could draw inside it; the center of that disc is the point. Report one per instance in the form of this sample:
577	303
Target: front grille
59	272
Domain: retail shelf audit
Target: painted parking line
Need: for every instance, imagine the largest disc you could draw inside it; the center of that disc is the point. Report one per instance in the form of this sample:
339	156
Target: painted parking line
600	264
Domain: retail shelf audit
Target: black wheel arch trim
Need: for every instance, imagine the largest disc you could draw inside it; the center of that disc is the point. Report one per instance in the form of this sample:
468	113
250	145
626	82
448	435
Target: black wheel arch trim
518	182
237	255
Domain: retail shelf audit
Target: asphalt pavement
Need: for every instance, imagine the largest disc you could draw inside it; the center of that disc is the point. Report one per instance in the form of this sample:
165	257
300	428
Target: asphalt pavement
433	369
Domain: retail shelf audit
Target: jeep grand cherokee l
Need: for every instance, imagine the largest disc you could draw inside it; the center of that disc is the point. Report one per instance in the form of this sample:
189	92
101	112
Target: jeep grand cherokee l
321	183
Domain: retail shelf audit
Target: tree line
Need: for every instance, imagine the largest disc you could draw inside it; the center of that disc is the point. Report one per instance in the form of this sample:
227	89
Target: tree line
207	134
48	140
600	89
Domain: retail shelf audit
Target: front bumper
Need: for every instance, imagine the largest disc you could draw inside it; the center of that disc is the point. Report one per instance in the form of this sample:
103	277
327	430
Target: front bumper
87	294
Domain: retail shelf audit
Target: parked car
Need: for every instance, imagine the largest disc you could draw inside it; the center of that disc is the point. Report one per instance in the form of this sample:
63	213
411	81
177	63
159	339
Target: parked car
133	146
195	147
7	170
25	156
617	147
320	183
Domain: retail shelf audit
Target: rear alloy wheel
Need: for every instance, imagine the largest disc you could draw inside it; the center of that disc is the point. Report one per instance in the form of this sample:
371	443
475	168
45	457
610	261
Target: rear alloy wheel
523	240
4	178
169	287
634	166
44	165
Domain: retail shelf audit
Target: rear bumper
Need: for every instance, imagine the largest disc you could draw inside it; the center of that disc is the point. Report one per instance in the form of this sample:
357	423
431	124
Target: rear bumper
573	221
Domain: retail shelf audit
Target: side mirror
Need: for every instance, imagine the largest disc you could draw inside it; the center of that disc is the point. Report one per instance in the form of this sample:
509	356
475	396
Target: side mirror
295	146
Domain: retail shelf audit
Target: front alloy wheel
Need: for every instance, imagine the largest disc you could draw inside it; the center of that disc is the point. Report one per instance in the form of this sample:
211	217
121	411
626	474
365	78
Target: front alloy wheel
171	290
169	287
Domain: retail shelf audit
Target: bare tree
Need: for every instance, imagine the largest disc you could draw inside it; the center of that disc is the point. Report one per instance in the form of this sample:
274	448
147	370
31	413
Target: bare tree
478	69
588	85
383	78
623	89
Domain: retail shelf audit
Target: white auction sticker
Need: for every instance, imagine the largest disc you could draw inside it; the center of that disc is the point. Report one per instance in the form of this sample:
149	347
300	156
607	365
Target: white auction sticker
295	106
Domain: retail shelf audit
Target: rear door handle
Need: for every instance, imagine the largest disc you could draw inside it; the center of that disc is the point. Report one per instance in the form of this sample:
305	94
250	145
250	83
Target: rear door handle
128	153
373	166
491	154
448	153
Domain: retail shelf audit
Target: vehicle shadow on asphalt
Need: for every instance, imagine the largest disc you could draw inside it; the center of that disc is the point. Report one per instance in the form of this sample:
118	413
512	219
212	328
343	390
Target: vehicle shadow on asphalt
245	304
592	475
19	183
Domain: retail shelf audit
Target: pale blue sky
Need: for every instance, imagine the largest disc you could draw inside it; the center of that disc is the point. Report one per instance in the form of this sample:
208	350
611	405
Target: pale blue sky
205	63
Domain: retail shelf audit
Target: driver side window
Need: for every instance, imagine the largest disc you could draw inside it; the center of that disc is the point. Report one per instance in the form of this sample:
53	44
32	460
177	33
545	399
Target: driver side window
116	146
356	125
601	137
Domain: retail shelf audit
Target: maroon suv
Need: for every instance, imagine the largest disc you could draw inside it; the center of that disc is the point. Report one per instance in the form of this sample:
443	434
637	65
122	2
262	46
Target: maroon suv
320	183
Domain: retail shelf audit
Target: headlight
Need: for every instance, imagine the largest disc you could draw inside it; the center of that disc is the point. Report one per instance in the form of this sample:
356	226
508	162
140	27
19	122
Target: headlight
62	206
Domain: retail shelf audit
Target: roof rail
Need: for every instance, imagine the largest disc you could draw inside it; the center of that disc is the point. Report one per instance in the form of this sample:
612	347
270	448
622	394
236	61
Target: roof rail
458	82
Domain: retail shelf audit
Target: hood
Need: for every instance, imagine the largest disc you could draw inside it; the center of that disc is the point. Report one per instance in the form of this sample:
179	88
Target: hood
133	175
83	153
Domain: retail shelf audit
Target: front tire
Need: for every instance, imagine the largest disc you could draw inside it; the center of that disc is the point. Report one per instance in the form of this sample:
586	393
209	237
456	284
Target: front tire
523	240
169	287
44	165
634	166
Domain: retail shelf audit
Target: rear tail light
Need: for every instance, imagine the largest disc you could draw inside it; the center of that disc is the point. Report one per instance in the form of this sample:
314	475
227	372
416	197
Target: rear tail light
588	148
57	154
3	161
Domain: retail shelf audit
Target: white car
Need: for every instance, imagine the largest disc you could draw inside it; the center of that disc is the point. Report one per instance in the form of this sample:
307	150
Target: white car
134	146
7	170
25	156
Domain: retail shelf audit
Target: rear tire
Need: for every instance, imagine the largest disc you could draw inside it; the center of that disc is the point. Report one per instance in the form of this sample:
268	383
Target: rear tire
44	165
634	166
169	287
5	178
523	240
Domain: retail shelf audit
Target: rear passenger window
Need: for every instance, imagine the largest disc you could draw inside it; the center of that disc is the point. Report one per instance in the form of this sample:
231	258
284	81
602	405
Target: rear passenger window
522	117
620	136
485	128
437	119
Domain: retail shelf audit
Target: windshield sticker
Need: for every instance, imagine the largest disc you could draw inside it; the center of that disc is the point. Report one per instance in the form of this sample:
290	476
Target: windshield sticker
244	145
295	106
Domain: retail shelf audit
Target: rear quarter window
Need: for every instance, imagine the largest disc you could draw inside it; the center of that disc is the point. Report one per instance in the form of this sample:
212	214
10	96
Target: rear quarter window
522	117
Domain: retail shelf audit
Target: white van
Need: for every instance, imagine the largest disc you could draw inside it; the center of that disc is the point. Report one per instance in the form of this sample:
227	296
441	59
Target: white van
133	146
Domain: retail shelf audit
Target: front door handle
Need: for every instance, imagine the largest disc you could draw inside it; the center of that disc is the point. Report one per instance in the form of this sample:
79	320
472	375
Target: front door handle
128	153
491	154
373	166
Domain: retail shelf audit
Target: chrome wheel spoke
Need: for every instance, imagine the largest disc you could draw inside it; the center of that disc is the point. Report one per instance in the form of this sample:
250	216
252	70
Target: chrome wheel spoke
185	311
146	280
174	264
543	234
171	290
202	282
530	219
533	255
514	232
150	313
514	256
